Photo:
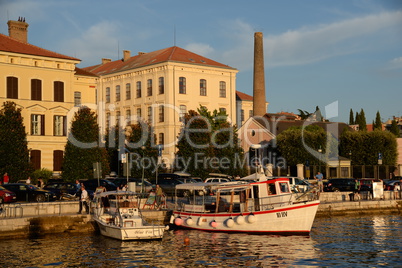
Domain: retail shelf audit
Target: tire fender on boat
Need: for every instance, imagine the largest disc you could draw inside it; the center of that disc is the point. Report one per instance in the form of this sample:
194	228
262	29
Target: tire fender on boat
200	221
229	222
214	224
251	218
239	219
178	221
189	221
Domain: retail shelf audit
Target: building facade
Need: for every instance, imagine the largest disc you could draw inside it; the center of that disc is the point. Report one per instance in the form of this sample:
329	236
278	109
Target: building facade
159	87
46	86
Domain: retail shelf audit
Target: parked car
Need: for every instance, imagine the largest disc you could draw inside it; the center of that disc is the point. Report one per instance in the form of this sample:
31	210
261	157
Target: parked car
7	196
217	177
29	192
92	184
168	182
61	188
343	185
138	183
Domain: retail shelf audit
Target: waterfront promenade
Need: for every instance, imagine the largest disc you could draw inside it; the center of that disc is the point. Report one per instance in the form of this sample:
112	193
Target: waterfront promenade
32	219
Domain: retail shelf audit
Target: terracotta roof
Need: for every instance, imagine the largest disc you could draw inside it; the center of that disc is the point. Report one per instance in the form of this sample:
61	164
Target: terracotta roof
243	96
175	54
80	71
9	44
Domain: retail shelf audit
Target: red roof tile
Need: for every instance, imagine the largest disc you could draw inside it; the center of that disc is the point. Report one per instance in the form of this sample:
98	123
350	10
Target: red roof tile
9	44
175	54
79	71
243	96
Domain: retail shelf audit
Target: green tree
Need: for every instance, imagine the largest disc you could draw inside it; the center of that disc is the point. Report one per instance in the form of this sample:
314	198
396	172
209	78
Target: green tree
82	149
14	154
351	119
394	129
114	143
294	144
377	124
362	121
208	143
303	114
364	147
143	150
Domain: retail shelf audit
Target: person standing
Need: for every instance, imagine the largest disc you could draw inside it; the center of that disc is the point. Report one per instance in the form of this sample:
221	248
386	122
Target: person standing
159	194
40	182
6	179
84	200
319	177
28	181
357	189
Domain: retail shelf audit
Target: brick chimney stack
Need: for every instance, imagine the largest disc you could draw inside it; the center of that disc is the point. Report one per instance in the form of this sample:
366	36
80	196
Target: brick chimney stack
18	29
259	100
126	55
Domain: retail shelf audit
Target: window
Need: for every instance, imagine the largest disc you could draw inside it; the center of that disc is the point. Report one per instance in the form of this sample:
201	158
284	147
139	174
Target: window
222	89
149	87
107	123
182	85
128	116
161	85
36	159
36	89
37	124
161	113
117	93
139	113
222	110
128	91
57	160
161	138
138	92
117	118
77	98
58	91
242	115
107	94
203	87
60	125
251	113
183	111
150	115
12	87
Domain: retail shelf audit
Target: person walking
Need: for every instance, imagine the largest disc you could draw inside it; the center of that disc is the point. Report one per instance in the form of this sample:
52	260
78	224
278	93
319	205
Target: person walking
159	195
357	189
319	177
6	179
84	200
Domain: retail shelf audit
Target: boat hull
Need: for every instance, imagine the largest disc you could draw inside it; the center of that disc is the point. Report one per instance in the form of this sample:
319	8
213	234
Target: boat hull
151	232
287	220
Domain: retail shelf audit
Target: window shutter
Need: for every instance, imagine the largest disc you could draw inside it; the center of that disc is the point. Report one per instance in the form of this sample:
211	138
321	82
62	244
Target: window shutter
64	125
42	125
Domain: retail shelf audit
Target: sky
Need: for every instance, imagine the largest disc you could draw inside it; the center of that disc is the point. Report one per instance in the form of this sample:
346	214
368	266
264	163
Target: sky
337	55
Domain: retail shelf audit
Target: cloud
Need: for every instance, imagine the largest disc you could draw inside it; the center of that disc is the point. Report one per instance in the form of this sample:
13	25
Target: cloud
201	49
396	63
98	41
311	44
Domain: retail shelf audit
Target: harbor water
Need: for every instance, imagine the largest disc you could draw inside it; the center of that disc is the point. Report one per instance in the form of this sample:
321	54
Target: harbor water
350	241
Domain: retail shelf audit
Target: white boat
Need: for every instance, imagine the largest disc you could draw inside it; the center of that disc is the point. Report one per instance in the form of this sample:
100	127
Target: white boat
257	205
118	216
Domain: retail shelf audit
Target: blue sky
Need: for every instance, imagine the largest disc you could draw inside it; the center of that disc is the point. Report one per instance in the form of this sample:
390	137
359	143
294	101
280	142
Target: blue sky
338	55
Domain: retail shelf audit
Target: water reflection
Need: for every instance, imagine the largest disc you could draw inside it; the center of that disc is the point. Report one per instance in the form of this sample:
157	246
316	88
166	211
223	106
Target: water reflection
343	241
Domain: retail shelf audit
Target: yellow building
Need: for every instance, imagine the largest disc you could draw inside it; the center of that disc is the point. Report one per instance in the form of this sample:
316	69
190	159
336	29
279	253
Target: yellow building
46	86
160	87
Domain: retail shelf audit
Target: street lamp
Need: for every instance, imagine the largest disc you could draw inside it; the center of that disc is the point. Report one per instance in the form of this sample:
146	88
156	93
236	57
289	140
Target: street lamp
319	160
351	167
143	169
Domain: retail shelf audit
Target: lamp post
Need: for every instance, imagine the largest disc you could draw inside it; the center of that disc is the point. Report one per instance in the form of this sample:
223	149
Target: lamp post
143	169
351	167
319	160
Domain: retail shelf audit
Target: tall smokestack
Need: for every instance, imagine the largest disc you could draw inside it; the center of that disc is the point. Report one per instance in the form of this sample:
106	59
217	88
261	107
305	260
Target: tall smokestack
259	108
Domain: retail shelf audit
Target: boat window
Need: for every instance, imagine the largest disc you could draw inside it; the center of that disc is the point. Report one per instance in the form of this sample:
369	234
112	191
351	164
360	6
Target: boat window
271	188
284	187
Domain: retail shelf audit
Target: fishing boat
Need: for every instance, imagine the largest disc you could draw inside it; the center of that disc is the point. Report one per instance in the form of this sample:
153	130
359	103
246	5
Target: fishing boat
259	205
118	215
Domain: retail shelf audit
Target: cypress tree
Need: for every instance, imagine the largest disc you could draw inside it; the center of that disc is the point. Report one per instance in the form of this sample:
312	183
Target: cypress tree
362	121
351	120
14	154
378	123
